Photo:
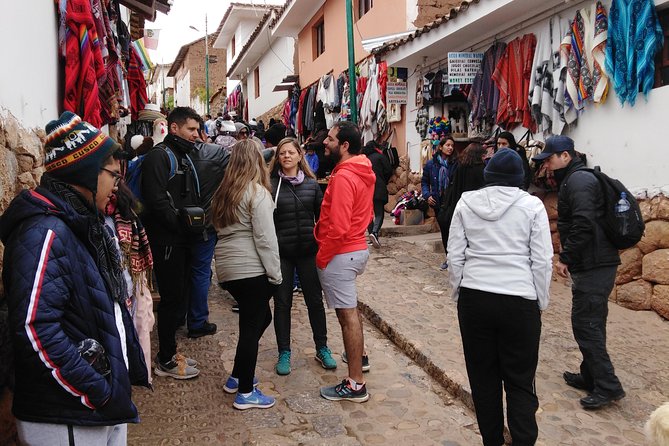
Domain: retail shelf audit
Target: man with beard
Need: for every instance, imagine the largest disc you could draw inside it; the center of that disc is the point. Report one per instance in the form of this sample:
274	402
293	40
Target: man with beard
592	260
346	212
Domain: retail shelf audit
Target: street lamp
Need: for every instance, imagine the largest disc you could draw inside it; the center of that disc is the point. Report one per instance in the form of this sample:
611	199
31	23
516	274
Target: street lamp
206	57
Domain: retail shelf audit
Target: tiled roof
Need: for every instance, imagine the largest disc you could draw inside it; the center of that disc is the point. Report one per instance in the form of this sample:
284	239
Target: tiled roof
249	41
279	13
215	34
453	13
181	56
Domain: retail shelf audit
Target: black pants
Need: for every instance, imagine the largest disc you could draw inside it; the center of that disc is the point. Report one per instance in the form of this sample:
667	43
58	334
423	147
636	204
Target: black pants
590	299
172	266
375	226
313	297
444	229
253	295
500	336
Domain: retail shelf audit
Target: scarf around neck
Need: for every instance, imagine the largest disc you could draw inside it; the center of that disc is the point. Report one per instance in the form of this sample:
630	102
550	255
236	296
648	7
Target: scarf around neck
296	180
443	174
94	235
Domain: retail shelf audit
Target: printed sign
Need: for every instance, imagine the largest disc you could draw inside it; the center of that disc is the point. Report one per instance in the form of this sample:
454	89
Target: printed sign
462	67
396	93
398	73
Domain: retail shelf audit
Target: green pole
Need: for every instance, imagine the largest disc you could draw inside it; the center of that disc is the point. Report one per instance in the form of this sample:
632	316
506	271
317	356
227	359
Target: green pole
351	60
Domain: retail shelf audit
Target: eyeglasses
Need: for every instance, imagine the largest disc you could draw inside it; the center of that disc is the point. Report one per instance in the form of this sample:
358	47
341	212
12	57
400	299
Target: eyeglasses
117	176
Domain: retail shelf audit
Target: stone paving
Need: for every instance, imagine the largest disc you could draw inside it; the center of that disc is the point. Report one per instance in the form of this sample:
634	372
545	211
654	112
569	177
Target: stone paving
418	383
405	295
406	405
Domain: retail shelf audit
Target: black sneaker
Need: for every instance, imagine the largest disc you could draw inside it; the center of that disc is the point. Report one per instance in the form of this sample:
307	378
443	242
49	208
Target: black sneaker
576	381
344	391
206	330
365	362
375	240
595	400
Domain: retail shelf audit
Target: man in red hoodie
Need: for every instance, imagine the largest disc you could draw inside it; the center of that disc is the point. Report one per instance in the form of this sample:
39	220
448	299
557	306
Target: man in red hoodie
342	255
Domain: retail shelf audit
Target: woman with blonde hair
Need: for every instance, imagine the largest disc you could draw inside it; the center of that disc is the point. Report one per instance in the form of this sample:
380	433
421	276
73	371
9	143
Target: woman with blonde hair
247	261
297	197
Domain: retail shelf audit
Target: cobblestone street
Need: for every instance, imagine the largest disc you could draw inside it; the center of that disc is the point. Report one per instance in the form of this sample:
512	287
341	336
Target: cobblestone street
418	385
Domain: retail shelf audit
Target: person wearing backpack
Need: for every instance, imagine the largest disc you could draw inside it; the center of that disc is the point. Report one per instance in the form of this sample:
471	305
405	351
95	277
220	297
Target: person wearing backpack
591	259
383	172
171	201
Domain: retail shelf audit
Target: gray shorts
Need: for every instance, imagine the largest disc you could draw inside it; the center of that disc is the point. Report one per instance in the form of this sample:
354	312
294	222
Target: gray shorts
338	278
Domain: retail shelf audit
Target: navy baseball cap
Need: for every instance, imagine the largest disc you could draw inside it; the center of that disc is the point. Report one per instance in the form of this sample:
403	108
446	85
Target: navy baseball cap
555	144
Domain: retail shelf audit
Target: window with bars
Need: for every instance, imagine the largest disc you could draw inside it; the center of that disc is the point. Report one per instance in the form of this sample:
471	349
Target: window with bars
662	59
363	7
318	32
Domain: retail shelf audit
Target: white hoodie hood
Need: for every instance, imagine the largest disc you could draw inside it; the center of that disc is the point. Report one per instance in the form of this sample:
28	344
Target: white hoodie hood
491	203
500	242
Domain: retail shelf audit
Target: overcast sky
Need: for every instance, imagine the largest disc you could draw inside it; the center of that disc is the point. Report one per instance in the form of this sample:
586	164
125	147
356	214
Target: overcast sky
174	27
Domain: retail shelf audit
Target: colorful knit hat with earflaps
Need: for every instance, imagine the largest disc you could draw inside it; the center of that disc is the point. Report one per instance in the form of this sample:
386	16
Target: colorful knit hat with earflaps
75	150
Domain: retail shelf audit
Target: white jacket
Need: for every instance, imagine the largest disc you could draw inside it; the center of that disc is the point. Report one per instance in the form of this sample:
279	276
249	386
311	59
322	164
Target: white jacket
500	242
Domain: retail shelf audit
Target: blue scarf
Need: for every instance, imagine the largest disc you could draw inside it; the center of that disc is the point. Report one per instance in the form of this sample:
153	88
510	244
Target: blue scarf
443	174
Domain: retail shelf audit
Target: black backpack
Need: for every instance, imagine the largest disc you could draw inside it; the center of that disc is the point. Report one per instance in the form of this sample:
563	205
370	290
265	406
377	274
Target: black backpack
621	237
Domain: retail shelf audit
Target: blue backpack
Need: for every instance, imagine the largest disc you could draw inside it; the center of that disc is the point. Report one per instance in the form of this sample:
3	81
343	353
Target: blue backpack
133	176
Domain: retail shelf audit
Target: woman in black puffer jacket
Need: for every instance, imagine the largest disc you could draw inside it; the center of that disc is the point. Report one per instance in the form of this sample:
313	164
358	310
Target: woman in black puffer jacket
297	197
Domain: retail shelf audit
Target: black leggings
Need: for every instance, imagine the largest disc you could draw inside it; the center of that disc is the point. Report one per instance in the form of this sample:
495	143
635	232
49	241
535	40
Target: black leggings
253	295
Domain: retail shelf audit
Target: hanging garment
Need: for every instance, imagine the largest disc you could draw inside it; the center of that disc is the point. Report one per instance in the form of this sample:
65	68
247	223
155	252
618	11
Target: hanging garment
563	99
545	79
484	94
369	107
422	122
326	94
84	66
136	85
345	101
512	76
382	79
300	111
635	37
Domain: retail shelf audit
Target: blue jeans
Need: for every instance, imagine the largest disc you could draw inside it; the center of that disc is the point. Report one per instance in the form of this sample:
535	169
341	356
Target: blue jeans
198	308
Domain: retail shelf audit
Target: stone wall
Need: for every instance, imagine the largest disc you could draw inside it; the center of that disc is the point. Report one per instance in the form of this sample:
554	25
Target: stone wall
642	282
430	10
403	180
21	166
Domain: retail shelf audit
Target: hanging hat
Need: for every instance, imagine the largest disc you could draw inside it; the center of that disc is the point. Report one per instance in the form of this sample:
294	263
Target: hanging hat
75	150
505	168
151	112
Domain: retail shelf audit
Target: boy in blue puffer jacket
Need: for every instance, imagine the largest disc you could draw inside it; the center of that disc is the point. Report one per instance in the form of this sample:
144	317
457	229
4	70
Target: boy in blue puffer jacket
76	349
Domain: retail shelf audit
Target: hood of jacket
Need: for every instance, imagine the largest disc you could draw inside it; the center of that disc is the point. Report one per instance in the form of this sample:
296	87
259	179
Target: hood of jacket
358	166
492	202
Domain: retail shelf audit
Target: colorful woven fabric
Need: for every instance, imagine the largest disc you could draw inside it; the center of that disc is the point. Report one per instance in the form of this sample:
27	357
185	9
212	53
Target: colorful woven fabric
84	67
635	37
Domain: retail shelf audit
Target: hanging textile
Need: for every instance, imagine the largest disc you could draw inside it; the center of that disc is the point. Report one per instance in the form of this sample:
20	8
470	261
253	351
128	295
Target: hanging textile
136	85
635	37
484	94
84	67
327	95
294	104
300	112
345	113
545	81
369	105
512	77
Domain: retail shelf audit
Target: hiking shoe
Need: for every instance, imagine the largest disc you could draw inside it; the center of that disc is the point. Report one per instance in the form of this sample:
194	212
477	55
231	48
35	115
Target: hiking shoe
177	368
232	384
365	362
255	400
344	391
179	357
206	330
576	381
595	400
444	266
324	356
375	240
283	364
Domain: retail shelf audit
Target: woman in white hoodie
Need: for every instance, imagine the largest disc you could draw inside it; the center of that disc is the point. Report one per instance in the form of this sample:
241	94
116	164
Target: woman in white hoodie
500	254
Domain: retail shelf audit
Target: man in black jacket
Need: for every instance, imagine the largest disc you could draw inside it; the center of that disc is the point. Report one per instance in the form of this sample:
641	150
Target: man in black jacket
383	171
591	260
168	189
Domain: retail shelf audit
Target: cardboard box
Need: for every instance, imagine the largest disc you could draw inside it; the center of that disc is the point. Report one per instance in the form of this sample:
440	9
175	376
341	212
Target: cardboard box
411	217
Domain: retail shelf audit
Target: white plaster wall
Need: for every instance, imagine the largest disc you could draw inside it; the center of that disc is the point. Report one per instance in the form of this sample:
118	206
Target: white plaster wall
273	68
412	137
29	87
182	95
